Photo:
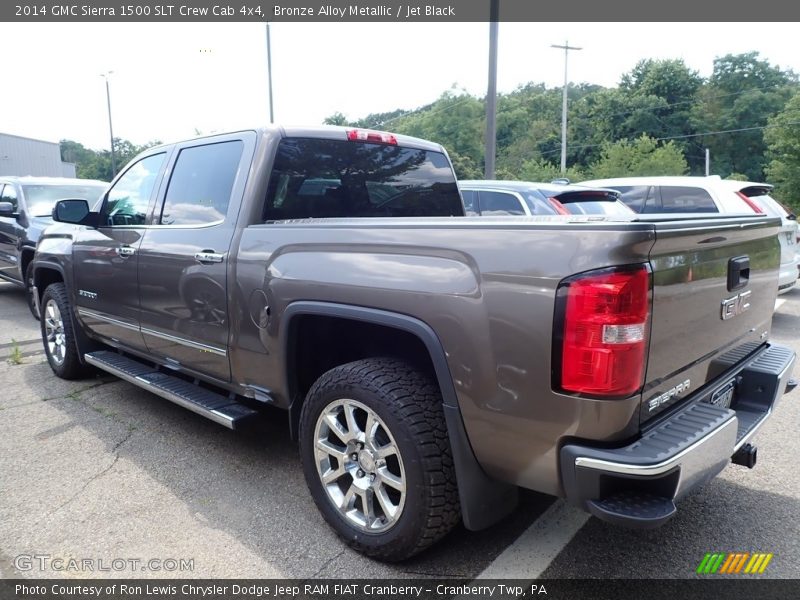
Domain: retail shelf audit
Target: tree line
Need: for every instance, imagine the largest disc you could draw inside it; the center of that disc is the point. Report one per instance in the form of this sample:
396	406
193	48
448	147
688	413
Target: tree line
659	120
96	164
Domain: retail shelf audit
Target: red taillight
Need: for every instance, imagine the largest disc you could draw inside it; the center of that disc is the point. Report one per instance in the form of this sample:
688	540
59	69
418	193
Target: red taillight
606	320
559	208
365	135
756	208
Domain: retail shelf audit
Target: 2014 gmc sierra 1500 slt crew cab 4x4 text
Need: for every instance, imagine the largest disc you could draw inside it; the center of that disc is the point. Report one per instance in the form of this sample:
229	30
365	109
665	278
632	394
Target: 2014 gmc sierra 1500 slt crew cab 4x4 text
430	363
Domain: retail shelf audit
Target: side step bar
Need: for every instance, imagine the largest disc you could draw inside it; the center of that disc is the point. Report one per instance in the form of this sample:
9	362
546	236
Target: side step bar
216	407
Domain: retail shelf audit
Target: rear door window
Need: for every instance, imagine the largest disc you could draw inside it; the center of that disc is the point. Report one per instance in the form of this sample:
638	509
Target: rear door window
500	204
470	198
635	196
684	199
200	186
321	178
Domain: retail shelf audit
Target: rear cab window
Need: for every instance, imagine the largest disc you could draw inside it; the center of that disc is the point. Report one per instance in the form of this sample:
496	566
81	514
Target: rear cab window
323	178
685	199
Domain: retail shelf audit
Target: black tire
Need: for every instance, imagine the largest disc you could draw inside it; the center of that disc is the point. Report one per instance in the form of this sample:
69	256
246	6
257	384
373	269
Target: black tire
409	411
63	358
29	290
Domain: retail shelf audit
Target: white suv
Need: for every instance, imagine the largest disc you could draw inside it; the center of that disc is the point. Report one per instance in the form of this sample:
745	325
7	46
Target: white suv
709	194
759	194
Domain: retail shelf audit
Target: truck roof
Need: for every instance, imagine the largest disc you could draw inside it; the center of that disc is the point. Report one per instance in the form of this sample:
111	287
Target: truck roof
335	132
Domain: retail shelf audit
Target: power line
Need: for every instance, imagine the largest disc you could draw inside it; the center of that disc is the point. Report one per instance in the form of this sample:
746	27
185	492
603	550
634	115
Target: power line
692	135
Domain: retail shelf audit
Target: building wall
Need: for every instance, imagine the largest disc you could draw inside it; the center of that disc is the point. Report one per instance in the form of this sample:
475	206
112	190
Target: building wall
25	156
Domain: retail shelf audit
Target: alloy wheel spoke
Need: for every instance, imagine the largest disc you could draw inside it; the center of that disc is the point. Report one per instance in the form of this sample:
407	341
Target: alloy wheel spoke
390	479
350	417
388	508
366	505
336	427
332	475
329	449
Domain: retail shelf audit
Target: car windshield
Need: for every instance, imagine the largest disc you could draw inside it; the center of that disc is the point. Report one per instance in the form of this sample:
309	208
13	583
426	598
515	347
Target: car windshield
41	198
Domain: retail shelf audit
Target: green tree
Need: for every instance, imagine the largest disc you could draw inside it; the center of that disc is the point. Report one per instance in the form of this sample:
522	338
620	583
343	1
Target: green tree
742	94
783	143
541	170
643	156
336	118
96	164
465	167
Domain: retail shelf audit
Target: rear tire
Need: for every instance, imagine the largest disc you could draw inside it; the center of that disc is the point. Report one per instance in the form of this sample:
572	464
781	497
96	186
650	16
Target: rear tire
376	457
58	334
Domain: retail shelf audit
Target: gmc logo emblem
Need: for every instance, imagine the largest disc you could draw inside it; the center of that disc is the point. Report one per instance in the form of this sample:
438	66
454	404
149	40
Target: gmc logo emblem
736	305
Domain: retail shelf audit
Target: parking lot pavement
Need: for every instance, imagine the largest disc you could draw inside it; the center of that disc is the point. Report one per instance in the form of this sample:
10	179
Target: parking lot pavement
100	469
17	327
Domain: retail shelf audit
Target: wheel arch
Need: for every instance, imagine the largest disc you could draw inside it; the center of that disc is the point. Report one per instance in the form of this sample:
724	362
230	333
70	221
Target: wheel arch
25	259
483	500
48	273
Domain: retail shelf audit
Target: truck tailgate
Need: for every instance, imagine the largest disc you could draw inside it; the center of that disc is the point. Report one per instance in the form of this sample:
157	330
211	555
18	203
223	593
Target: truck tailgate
714	290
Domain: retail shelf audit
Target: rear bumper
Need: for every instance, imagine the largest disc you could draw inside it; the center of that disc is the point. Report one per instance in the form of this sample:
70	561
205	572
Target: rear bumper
637	485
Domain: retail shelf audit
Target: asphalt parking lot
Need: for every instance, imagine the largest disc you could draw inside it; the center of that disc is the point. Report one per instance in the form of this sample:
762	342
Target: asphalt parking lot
101	470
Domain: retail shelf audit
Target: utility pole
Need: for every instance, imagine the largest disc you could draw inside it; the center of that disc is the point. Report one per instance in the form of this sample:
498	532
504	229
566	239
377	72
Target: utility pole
491	92
269	76
708	161
566	47
105	76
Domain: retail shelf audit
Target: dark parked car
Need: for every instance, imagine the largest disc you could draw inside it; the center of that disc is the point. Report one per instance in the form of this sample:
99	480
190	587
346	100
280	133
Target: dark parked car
26	204
528	198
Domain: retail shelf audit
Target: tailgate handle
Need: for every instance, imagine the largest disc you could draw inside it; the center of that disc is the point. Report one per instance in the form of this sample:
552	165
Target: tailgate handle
738	273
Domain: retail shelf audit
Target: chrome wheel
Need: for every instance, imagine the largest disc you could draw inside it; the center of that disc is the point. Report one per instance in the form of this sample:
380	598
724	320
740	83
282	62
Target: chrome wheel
54	332
359	465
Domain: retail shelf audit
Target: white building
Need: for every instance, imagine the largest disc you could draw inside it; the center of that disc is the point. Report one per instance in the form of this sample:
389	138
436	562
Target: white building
25	156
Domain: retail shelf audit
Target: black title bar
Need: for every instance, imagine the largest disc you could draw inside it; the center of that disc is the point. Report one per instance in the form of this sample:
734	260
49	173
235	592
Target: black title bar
402	11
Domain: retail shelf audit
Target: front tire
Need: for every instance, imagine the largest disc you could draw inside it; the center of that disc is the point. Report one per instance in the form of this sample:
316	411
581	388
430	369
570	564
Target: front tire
58	334
377	459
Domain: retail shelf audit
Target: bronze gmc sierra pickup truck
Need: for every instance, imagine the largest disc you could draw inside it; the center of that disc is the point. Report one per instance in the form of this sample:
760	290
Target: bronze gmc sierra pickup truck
430	363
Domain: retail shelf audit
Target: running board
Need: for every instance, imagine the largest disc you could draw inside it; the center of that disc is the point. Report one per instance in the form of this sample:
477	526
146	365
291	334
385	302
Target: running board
216	407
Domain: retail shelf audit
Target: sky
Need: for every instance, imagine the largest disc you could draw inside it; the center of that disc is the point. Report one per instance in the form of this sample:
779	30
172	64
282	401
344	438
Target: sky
171	81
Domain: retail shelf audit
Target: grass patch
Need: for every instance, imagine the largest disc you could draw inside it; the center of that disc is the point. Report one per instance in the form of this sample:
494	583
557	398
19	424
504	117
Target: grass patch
15	358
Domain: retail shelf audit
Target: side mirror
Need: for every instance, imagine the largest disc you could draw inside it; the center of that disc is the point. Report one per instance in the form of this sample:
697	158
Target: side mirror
791	217
71	211
6	209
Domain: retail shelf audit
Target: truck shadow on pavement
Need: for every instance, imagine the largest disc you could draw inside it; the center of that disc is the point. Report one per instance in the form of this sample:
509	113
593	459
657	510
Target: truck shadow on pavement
247	484
723	516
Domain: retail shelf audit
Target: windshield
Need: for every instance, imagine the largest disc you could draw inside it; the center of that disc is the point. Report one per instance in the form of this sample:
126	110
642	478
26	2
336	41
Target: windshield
40	198
321	178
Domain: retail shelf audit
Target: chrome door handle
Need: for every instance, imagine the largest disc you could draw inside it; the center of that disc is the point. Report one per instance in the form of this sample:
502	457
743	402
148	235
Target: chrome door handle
126	251
208	256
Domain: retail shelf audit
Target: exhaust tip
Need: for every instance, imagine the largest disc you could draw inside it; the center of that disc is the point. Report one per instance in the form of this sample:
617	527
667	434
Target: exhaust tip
746	456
